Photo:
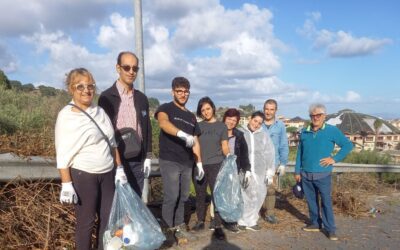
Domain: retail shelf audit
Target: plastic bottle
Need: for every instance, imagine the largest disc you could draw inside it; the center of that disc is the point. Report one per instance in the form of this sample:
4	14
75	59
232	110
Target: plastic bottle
129	237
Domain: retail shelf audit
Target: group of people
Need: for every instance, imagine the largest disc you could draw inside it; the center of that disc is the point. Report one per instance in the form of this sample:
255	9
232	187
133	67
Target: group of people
91	162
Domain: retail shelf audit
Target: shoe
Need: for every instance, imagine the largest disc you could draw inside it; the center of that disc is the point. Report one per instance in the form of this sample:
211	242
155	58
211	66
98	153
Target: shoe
311	228
242	228
254	228
183	236
233	227
199	226
212	225
271	219
332	236
219	234
169	240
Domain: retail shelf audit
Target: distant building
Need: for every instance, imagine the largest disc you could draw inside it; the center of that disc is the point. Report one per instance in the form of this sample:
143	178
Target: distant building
395	123
360	129
296	122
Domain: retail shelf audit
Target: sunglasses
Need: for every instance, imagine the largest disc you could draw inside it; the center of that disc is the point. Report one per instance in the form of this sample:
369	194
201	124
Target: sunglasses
82	87
180	92
317	116
128	68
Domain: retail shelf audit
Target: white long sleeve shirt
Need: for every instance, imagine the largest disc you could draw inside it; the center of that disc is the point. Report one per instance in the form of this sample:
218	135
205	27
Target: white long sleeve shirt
80	144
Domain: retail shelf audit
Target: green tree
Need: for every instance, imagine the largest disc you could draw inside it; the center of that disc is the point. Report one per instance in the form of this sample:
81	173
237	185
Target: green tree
47	91
4	80
248	109
291	129
28	87
16	84
153	103
377	126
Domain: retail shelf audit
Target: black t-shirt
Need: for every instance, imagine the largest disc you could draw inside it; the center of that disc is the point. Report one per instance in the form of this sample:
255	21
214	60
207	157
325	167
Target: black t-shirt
173	148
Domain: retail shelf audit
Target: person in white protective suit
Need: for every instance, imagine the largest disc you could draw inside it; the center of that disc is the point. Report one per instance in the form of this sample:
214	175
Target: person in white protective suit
262	161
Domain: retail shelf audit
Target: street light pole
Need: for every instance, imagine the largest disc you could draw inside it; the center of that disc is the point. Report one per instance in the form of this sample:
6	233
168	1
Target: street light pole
139	44
140	77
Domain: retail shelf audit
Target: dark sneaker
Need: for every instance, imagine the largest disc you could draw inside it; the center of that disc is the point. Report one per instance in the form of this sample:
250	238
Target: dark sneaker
199	226
271	219
254	228
219	234
311	228
212	225
169	241
332	236
233	227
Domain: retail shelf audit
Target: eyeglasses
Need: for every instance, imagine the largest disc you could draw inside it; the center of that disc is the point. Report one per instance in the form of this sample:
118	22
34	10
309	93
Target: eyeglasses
82	86
128	68
180	92
317	116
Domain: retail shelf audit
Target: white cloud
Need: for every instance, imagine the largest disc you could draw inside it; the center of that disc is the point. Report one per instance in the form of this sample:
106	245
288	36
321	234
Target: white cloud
340	43
8	63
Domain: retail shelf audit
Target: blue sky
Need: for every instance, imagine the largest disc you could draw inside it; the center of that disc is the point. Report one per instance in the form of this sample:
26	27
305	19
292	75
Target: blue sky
345	54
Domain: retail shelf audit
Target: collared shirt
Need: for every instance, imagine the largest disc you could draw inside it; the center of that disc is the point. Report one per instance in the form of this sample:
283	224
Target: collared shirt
277	132
126	117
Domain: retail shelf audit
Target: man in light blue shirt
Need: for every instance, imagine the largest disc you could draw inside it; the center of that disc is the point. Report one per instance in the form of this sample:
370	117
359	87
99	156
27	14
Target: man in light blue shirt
277	131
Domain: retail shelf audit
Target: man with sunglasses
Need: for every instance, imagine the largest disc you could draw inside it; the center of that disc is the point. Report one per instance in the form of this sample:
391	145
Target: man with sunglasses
127	107
179	149
314	164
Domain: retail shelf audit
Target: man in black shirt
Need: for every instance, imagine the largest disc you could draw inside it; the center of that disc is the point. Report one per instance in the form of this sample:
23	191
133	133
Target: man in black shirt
179	148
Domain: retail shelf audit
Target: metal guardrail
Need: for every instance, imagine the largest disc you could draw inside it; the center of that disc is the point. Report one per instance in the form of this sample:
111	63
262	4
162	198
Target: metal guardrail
34	168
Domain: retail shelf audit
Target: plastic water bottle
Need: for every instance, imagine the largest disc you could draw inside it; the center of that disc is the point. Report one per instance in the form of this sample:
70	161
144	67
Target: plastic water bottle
129	237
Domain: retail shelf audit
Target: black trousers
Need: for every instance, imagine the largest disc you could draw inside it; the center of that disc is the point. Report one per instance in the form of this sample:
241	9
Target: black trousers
95	195
210	176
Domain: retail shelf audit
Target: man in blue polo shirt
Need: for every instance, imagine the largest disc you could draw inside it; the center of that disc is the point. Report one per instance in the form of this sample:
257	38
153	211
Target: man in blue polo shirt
314	164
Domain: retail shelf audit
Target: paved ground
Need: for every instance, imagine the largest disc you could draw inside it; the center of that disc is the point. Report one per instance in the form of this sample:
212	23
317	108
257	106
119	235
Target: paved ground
367	232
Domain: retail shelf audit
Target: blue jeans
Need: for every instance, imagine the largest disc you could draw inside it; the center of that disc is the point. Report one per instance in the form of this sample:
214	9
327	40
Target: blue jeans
313	189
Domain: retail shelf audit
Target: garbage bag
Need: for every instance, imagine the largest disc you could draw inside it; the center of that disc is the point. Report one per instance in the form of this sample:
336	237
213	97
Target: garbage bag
131	224
227	192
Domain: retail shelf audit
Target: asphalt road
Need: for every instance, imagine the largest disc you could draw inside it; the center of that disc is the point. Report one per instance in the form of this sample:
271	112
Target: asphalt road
380	230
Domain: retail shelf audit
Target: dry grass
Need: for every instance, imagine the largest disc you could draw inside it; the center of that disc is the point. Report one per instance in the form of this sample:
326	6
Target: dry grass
29	144
31	216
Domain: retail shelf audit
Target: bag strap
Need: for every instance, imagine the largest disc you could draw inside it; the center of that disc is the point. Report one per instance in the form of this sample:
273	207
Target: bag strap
95	123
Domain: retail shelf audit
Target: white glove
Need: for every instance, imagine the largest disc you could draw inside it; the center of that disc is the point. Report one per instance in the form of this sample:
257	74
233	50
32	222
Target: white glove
68	194
246	179
281	170
189	139
120	175
269	177
147	168
200	171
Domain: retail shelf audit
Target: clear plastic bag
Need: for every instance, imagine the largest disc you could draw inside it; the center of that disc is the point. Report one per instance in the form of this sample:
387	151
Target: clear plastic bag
131	224
227	192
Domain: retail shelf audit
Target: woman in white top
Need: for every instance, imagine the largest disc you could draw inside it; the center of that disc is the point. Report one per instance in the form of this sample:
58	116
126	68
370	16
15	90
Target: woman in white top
85	159
262	158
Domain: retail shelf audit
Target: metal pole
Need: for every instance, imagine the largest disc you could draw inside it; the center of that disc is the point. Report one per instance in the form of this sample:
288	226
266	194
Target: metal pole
140	77
139	44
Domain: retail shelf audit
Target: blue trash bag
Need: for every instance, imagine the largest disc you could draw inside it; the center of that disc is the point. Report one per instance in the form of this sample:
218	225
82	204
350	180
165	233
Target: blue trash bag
131	224
227	191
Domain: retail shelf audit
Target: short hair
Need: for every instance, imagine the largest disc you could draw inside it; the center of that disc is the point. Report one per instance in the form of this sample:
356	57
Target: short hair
201	103
74	73
119	58
271	101
232	112
258	113
179	82
315	106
